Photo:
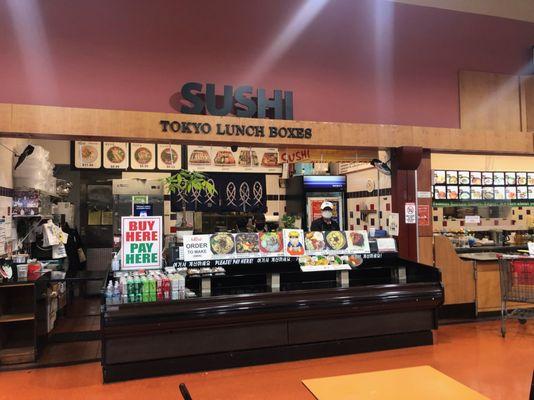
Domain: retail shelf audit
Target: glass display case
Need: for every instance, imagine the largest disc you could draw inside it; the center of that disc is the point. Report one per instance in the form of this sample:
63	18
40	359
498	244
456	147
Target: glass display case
242	311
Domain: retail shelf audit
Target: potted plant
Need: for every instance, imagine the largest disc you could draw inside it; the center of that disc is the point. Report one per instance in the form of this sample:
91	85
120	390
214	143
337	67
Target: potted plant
186	182
288	221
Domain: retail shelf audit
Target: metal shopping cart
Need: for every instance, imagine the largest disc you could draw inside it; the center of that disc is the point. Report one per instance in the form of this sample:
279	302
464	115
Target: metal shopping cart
517	285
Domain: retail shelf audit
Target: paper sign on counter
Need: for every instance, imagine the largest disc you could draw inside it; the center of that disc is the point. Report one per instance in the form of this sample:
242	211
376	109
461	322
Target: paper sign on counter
472	219
385	245
141	242
197	247
393	224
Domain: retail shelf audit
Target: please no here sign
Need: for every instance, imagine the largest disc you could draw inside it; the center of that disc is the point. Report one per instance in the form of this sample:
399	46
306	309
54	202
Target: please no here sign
141	242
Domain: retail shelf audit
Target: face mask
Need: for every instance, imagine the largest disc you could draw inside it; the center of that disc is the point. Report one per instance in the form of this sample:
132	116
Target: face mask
327	214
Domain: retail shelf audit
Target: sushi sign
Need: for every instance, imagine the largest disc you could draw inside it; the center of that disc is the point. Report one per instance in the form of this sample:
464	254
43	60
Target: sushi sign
141	242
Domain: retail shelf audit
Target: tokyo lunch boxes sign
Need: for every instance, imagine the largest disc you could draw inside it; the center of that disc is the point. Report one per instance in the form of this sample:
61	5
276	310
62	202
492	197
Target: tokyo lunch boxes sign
141	242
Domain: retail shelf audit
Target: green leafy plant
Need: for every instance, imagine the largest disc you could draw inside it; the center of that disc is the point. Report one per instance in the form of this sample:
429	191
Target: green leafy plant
288	221
186	182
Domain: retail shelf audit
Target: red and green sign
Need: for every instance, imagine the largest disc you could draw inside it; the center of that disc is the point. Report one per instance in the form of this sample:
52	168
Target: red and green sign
141	242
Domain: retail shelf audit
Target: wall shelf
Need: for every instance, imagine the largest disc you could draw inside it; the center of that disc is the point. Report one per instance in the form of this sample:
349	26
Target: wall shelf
16	317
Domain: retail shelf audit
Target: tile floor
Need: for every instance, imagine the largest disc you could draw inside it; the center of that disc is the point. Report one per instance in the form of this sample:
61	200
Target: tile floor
473	353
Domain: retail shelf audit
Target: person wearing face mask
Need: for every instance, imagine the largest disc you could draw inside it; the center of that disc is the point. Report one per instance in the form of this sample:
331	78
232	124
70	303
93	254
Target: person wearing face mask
325	223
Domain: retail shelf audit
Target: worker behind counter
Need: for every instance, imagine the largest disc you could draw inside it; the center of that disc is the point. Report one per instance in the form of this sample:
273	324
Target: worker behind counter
325	222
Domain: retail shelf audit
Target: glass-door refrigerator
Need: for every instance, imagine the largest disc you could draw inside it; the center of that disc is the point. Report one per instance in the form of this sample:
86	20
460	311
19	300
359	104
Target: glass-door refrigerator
305	194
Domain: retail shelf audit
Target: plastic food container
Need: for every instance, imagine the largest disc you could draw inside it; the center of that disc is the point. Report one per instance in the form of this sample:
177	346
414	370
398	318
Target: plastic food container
19	258
22	271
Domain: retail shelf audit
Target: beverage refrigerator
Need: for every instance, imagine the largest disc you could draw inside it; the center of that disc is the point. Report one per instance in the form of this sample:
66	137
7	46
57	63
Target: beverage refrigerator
305	194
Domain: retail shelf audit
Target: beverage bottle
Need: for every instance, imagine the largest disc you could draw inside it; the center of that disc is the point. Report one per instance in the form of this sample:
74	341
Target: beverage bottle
145	289
181	286
137	285
109	293
131	289
159	288
124	290
166	288
152	288
116	293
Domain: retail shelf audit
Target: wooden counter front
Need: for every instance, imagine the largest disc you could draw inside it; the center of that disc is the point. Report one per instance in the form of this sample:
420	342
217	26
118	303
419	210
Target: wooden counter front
457	275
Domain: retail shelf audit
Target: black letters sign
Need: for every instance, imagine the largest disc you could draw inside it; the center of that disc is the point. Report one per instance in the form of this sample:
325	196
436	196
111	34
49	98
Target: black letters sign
257	131
240	102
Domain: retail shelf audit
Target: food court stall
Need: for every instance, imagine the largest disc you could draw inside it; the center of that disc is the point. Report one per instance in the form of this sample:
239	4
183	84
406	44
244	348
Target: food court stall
247	298
244	308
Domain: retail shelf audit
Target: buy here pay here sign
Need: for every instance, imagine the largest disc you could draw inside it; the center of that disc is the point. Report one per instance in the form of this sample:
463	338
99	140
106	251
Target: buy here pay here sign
141	242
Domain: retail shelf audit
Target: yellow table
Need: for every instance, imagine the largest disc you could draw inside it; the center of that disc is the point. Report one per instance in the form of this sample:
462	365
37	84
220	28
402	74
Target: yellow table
414	383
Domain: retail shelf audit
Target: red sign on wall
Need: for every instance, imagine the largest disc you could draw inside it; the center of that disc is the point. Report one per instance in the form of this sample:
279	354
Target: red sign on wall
423	215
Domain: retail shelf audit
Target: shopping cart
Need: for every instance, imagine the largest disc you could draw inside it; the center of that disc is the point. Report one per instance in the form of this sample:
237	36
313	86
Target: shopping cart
517	285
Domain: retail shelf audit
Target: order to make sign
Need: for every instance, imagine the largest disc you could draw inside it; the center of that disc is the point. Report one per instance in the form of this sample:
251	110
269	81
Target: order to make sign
141	242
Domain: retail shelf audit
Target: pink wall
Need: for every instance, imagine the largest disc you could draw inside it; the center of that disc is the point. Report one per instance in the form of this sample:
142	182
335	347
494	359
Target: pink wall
358	61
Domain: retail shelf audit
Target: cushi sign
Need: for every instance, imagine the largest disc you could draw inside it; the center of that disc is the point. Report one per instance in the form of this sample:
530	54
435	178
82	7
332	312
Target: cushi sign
141	242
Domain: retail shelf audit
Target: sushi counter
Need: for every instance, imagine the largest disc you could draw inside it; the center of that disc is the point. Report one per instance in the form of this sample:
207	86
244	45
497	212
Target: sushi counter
222	313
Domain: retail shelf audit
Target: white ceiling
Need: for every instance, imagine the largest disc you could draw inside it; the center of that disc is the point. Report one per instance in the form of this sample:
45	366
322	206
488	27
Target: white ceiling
522	10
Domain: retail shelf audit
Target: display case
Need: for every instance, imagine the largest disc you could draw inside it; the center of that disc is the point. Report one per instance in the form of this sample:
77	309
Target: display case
268	310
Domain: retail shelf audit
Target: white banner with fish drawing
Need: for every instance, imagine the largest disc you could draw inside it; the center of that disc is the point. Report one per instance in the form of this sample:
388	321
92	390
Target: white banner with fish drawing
116	155
223	159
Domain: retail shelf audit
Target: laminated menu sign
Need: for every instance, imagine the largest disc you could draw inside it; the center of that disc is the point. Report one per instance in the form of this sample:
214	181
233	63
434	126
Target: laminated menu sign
141	242
87	154
336	242
169	156
358	242
247	245
293	242
223	159
314	243
116	155
222	245
271	244
142	156
197	247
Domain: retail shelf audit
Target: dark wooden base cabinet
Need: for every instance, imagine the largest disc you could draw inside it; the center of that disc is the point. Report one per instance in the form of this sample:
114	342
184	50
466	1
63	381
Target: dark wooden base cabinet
205	333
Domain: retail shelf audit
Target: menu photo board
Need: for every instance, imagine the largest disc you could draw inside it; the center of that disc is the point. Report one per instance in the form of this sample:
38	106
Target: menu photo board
116	155
271	244
87	154
169	157
314	243
293	242
233	245
143	156
141	242
224	159
288	242
486	186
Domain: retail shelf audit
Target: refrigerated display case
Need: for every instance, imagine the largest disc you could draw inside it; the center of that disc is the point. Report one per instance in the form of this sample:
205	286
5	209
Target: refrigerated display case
305	194
267	309
124	193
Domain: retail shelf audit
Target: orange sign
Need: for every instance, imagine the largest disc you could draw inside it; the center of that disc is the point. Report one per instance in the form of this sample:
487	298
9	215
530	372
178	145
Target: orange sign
323	155
423	215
